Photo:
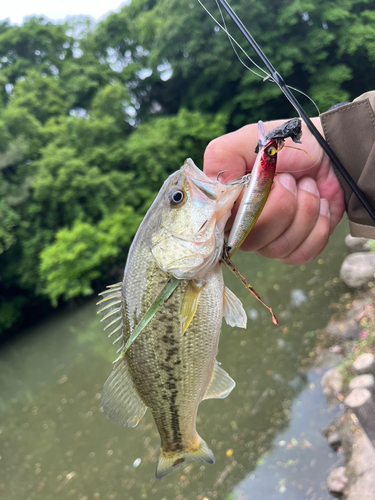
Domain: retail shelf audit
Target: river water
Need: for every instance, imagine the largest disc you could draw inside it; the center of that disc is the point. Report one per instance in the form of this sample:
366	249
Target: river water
56	443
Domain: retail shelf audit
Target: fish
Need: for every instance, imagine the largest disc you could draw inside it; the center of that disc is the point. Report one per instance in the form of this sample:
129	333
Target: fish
171	366
261	179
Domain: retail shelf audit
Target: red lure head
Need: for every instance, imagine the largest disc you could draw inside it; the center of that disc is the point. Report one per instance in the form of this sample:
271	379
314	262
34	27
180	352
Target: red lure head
269	153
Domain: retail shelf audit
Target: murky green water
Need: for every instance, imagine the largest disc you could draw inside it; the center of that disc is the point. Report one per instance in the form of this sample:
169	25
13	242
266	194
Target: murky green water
56	443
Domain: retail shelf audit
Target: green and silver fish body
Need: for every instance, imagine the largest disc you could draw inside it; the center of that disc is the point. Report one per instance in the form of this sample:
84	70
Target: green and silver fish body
171	366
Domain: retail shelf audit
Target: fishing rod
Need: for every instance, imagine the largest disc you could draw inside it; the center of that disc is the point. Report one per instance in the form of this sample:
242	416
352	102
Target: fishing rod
277	78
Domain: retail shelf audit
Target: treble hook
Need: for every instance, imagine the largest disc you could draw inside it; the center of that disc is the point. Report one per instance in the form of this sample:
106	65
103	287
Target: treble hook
219	174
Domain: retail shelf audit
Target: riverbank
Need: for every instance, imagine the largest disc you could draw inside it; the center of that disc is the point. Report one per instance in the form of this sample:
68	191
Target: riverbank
348	342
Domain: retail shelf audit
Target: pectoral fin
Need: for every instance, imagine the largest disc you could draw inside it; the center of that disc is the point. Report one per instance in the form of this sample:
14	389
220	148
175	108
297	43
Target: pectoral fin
189	304
159	302
120	400
221	384
234	312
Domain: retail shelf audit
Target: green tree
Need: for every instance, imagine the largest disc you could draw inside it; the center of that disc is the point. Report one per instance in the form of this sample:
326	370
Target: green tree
69	266
93	118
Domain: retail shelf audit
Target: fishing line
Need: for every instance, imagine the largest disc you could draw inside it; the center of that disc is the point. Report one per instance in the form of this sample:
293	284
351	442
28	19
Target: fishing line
268	77
275	77
231	38
233	41
306	95
285	90
234	48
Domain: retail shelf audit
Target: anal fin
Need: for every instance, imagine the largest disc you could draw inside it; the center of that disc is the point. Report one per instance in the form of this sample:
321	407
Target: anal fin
234	313
221	384
120	400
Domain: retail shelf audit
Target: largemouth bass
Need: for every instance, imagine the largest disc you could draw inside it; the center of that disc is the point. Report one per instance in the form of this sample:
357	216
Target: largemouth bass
171	367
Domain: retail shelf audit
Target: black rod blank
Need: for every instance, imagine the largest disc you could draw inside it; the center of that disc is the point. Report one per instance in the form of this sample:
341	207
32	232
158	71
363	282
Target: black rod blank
277	78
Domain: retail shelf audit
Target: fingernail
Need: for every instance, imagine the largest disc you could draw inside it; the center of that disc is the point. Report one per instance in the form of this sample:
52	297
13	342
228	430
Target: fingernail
289	182
308	184
324	207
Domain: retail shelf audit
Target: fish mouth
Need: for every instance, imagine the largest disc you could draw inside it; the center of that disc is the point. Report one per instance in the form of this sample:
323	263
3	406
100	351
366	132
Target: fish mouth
207	188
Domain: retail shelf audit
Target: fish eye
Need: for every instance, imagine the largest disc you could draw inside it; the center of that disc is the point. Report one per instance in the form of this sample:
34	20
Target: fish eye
271	151
176	197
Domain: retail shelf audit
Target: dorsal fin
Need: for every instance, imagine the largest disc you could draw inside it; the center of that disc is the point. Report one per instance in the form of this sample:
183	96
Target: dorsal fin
120	400
221	384
112	309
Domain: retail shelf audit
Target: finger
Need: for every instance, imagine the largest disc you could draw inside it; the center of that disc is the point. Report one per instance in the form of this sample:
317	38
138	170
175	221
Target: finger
330	189
277	215
307	213
317	240
234	153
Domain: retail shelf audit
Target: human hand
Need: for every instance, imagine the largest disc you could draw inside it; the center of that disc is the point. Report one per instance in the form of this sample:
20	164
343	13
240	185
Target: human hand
306	201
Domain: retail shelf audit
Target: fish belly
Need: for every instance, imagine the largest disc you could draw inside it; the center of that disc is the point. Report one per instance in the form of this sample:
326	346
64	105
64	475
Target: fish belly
170	370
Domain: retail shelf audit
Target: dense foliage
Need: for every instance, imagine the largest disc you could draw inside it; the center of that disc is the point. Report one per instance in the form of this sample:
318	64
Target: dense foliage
94	117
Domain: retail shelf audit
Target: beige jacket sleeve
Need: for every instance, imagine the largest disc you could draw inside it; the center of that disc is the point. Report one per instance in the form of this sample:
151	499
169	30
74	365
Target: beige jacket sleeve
350	131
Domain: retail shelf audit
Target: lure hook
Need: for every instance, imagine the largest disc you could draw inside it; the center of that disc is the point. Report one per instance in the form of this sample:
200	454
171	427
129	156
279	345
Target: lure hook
220	173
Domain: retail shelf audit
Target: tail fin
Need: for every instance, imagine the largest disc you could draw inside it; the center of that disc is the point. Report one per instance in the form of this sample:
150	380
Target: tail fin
168	463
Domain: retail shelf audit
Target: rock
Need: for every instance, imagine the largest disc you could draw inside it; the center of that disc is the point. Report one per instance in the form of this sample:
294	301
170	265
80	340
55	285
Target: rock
337	481
366	381
332	433
348	329
358	269
334	426
332	382
358	307
360	401
336	349
365	363
357	244
362	469
334	440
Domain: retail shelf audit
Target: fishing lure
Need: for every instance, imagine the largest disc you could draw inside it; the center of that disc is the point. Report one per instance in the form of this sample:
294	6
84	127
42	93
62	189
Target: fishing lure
259	186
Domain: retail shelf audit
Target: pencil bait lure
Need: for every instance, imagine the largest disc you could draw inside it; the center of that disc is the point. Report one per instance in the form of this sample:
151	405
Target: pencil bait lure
259	186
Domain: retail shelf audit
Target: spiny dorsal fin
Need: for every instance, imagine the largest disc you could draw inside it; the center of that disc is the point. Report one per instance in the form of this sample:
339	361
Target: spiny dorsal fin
120	400
234	313
221	384
189	304
112	310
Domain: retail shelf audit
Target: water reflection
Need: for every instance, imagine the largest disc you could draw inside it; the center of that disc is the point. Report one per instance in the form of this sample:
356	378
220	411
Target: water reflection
300	458
56	442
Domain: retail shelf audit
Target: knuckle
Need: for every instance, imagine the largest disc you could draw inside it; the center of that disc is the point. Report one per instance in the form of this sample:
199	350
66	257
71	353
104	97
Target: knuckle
310	248
214	149
309	207
277	249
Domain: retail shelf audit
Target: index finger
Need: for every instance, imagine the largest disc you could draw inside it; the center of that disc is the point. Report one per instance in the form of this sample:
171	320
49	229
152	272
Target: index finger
233	152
